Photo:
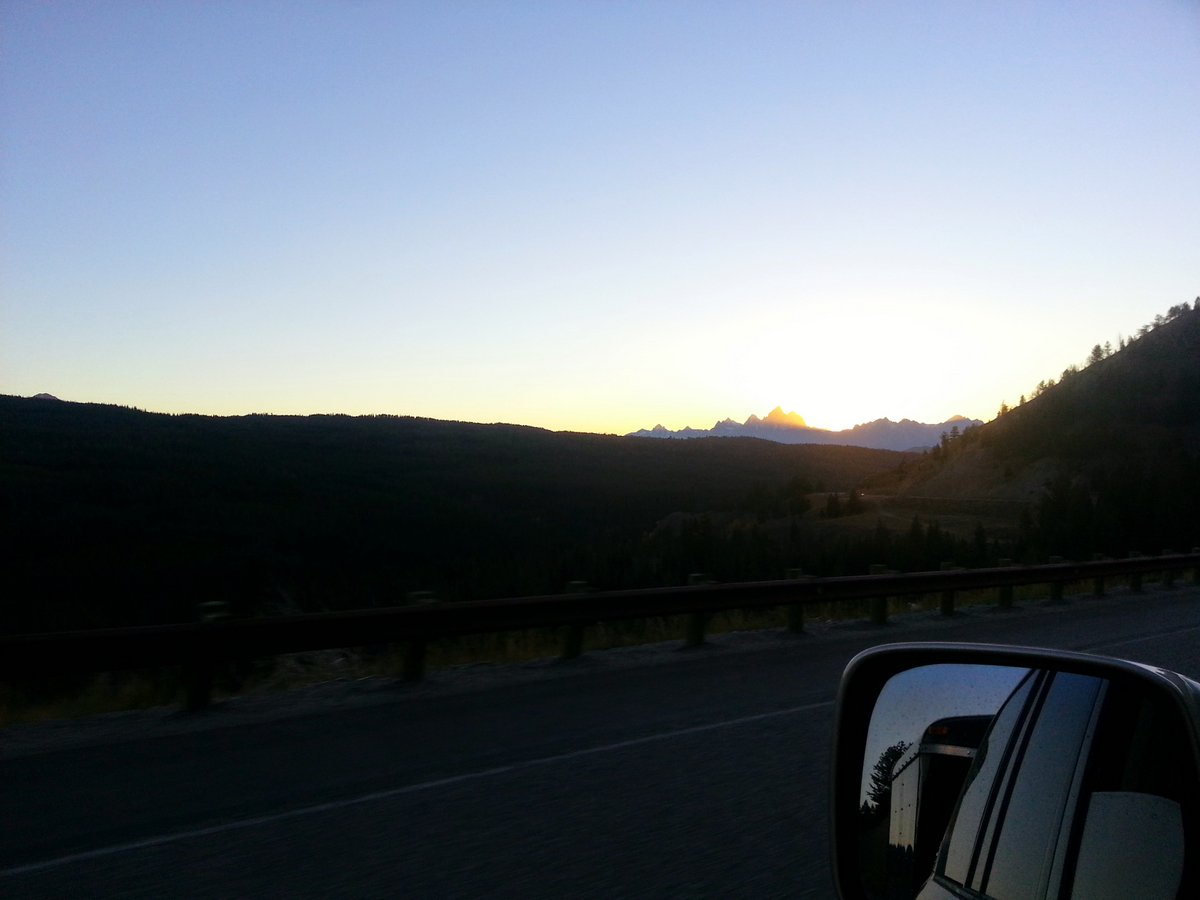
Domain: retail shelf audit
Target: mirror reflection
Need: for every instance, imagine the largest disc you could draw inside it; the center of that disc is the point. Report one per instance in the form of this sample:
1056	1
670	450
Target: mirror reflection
1005	782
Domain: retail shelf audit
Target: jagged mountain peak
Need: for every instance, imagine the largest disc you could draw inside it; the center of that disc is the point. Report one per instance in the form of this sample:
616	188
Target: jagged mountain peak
790	428
780	418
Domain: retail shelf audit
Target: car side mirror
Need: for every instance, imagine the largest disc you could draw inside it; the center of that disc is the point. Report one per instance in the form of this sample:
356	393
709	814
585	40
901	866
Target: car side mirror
973	770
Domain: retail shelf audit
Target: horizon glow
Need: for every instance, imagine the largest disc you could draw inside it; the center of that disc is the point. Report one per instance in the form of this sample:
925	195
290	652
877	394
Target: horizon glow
588	217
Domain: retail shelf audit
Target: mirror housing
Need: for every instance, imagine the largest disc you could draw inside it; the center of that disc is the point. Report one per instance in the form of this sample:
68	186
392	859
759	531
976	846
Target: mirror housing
1152	835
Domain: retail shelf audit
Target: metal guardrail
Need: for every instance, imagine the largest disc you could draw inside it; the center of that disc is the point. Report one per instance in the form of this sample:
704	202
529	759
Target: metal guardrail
200	647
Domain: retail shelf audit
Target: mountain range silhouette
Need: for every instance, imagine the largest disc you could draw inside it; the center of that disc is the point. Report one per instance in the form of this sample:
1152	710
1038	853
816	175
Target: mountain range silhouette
790	428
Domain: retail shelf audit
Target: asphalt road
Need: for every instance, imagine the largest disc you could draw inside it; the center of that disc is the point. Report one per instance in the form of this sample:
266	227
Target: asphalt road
686	774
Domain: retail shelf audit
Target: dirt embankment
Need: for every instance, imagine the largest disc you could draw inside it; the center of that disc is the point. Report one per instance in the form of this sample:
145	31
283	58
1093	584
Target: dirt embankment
970	489
976	475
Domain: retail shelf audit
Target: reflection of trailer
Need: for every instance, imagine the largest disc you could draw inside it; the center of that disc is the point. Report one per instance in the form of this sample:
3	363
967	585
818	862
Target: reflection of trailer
926	782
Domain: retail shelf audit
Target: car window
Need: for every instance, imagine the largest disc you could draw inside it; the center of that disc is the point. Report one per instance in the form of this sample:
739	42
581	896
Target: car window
958	856
1047	773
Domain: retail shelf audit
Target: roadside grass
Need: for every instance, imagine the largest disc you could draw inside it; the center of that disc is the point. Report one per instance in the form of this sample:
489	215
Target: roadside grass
69	698
72	697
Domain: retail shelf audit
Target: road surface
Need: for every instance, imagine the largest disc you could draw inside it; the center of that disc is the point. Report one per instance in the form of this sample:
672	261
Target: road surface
696	773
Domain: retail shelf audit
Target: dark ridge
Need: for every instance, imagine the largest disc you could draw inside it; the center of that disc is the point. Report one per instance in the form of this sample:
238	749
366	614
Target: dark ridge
113	515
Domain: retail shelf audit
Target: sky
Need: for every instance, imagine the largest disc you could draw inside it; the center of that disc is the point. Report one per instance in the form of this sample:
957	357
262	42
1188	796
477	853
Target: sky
588	216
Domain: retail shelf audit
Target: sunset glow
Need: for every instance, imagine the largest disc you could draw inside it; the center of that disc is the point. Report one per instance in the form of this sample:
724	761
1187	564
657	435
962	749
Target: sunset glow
590	217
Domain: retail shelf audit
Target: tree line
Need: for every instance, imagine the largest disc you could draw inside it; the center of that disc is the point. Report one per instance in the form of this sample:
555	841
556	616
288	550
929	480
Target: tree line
116	516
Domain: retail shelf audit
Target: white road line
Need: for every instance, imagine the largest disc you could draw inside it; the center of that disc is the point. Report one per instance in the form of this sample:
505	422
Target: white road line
1142	639
398	792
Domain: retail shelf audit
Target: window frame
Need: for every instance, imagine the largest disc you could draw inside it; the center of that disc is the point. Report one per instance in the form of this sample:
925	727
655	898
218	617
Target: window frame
990	827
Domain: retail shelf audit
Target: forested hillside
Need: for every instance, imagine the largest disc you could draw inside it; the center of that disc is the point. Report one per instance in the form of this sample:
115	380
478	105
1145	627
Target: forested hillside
1107	456
112	515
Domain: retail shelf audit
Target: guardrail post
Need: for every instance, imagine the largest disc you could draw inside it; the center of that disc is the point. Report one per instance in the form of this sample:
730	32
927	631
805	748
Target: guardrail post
200	670
417	649
1056	586
198	680
1135	580
697	621
1005	599
879	611
414	660
1168	575
795	611
948	596
1098	581
573	637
